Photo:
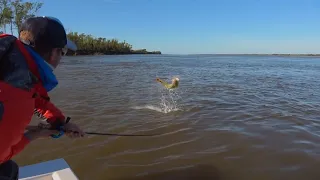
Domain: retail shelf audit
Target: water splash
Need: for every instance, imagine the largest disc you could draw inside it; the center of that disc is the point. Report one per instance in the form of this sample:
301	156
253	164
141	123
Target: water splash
169	100
150	107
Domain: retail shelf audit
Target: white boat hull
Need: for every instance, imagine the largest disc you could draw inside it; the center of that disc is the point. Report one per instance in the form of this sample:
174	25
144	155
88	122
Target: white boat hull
57	169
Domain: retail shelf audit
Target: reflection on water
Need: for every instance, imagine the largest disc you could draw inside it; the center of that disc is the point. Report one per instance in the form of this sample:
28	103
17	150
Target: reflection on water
232	117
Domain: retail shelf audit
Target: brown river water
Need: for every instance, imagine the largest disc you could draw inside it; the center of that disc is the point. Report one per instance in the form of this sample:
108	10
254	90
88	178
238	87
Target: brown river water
232	118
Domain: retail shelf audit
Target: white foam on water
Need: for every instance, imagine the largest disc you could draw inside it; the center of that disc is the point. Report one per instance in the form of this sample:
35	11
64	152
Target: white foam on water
150	107
168	101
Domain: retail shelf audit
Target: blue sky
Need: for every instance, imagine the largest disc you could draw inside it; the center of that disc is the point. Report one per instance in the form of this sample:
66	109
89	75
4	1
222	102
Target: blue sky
197	26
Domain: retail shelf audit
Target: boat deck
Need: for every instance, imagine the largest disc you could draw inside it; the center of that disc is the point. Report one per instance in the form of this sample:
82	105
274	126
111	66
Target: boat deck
50	170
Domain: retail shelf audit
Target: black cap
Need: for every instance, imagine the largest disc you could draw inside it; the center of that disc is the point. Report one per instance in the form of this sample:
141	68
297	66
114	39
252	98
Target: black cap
48	32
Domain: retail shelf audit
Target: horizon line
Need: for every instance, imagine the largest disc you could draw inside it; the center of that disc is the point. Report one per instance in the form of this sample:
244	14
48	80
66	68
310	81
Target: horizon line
274	54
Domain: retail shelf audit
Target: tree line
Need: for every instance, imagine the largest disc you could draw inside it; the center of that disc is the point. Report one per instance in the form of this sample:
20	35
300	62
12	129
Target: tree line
14	12
87	44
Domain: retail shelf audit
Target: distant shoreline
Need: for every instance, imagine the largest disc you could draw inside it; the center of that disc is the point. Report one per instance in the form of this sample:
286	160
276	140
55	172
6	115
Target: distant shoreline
81	53
88	53
90	45
313	55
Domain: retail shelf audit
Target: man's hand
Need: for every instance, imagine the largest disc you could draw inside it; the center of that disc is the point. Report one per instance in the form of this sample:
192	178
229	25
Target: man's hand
73	130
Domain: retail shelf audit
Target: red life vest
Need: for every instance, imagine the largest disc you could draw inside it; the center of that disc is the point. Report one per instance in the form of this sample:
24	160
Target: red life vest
16	109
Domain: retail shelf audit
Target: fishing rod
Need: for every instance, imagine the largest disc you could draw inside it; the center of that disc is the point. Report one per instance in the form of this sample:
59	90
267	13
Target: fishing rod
62	131
110	134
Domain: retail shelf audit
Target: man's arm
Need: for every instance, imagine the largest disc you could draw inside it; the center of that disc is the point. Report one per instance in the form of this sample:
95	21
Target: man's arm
28	137
46	110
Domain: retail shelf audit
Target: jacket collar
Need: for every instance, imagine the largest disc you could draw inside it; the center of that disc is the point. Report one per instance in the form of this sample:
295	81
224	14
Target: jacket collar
47	76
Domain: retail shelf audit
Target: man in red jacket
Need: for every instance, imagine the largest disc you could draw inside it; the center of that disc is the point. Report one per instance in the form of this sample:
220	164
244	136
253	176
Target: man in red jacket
26	77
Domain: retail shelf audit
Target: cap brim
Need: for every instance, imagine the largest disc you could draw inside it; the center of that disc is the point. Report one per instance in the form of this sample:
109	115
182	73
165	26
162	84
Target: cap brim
71	45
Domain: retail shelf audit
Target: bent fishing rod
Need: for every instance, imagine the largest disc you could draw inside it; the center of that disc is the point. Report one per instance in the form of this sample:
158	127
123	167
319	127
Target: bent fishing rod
62	131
